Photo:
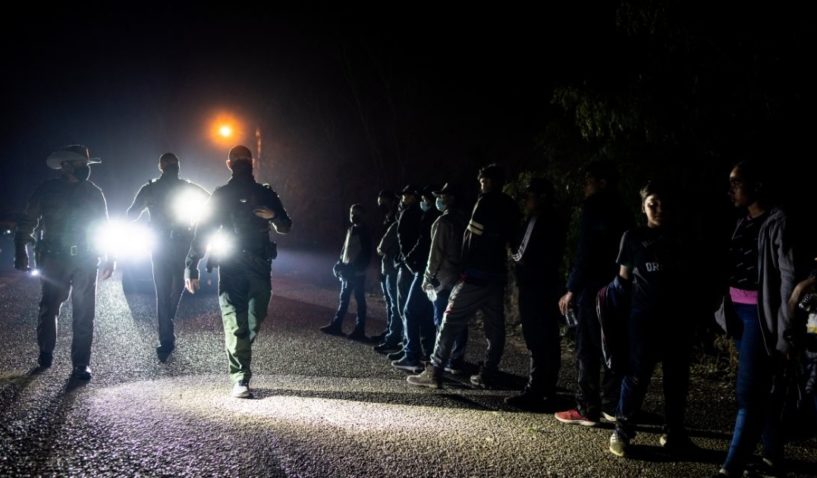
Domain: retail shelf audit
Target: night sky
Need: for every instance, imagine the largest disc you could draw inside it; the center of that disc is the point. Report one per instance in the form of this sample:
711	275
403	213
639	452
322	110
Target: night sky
348	101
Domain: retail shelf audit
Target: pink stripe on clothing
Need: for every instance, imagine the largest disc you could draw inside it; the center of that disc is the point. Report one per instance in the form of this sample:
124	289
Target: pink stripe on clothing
741	296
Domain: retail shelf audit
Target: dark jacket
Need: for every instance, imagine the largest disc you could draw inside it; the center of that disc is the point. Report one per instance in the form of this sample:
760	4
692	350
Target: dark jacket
408	229
777	278
613	310
231	209
356	254
604	219
539	258
417	258
388	248
65	214
491	230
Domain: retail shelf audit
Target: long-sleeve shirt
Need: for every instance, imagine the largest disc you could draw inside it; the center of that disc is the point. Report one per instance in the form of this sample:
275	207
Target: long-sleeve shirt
539	253
491	230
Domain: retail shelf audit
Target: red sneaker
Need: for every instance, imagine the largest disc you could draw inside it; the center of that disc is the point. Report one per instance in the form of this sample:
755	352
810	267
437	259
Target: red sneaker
575	418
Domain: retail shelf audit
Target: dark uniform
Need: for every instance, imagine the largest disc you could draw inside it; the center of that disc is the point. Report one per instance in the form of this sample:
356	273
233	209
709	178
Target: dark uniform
65	215
244	274
173	242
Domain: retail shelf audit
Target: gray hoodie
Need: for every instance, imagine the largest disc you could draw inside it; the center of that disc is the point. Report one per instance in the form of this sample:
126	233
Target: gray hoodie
776	271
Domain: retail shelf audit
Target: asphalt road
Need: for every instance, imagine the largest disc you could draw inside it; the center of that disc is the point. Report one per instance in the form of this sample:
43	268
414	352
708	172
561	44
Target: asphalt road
324	406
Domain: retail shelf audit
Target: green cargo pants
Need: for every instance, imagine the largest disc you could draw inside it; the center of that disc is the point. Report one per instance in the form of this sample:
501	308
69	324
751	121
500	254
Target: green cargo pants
244	291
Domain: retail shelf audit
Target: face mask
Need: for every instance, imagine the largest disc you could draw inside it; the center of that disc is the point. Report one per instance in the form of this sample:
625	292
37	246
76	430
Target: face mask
172	170
82	173
354	218
424	205
440	204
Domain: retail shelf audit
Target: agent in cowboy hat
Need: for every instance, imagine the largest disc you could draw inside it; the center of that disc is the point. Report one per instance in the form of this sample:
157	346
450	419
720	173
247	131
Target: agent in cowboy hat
65	212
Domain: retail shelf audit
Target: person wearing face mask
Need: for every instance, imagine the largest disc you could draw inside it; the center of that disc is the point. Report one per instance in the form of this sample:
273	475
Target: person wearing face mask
175	206
237	227
351	271
418	313
66	212
444	265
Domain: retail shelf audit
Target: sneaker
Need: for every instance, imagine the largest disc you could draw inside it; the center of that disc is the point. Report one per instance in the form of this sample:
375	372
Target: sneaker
455	369
241	390
765	468
408	365
676	442
331	329
386	348
484	379
45	360
81	373
431	377
395	355
609	417
618	444
526	400
164	351
574	417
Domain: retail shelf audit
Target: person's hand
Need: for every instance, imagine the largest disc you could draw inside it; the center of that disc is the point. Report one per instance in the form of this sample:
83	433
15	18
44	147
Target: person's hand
565	302
192	285
107	270
264	213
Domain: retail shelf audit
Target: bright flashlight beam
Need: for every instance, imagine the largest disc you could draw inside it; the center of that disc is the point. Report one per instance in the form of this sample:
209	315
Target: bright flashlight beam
190	207
124	240
219	244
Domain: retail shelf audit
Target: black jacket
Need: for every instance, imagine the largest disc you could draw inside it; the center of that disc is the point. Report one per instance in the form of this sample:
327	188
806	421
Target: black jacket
417	257
408	229
541	258
493	227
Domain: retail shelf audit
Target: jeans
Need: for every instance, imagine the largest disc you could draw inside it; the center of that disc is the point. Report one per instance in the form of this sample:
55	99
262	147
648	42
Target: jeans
653	337
388	284
458	350
357	285
418	321
760	396
590	398
539	313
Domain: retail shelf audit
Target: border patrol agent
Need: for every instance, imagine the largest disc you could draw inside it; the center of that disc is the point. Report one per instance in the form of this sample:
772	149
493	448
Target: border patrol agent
65	212
241	213
174	205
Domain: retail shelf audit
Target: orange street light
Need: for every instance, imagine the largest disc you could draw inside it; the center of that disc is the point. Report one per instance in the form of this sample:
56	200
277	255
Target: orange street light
225	129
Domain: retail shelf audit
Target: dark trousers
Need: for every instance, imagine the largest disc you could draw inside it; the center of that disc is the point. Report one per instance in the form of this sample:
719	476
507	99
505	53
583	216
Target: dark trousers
418	321
466	299
168	278
590	398
539	313
352	285
760	396
457	357
394	320
244	290
654	337
61	276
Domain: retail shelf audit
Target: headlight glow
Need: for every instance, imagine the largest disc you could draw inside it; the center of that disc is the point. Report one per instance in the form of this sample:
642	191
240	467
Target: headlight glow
190	207
125	240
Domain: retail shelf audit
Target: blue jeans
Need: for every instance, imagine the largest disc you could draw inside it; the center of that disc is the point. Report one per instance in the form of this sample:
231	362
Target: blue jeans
394	321
356	285
760	396
457	357
654	337
418	321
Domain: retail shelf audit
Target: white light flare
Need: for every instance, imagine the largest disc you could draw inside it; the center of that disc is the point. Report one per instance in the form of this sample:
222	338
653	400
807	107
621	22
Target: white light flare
124	240
220	244
190	207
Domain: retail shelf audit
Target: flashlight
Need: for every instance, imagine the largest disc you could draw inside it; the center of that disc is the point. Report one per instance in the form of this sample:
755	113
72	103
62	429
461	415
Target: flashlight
124	240
190	207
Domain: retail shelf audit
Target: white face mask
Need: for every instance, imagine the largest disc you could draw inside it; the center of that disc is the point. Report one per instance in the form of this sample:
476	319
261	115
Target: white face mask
424	205
440	204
